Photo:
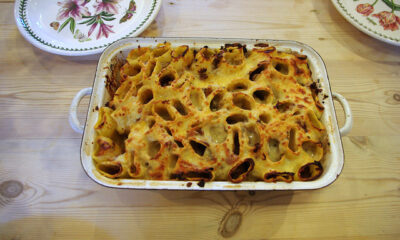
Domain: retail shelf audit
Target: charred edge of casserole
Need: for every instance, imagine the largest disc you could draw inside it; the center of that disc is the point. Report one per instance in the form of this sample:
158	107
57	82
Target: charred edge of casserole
201	175
240	171
108	104
261	66
315	90
297	71
101	122
319	105
261	45
270	49
110	169
275	176
113	77
217	59
201	183
134	169
300	56
203	73
257	147
310	171
183	54
284	106
103	147
207	91
236	45
198	147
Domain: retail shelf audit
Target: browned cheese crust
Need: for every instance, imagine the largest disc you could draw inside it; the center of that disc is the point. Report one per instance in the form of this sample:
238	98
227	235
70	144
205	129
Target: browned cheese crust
227	114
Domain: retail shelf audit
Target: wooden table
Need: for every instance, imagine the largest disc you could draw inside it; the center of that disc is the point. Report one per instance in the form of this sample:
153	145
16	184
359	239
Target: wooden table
45	194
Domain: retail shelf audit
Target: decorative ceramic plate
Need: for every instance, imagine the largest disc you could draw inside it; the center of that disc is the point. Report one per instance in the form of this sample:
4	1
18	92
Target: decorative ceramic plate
82	27
378	18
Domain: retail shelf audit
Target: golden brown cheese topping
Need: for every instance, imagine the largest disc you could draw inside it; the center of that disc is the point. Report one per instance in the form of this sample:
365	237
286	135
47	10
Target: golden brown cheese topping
226	114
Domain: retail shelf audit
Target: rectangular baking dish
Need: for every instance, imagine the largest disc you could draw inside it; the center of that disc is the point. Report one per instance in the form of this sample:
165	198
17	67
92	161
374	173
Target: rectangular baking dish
332	164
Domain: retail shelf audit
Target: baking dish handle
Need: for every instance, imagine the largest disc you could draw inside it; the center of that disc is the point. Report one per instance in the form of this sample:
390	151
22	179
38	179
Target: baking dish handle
348	124
73	116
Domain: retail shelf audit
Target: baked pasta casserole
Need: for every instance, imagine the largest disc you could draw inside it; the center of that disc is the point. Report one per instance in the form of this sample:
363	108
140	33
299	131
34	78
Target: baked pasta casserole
203	114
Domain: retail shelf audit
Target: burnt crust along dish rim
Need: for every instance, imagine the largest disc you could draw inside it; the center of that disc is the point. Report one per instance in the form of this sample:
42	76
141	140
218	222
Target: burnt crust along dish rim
126	44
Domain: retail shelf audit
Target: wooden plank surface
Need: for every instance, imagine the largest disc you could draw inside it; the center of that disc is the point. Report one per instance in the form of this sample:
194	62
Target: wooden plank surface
44	193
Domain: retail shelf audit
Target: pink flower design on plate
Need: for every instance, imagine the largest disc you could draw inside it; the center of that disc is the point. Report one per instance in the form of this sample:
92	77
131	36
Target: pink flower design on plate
72	8
365	9
109	6
104	29
388	20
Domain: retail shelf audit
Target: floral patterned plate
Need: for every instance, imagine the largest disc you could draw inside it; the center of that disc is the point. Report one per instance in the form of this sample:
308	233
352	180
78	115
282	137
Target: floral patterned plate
378	18
82	27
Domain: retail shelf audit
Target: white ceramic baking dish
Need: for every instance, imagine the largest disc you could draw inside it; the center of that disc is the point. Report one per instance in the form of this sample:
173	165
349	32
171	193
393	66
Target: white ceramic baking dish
332	164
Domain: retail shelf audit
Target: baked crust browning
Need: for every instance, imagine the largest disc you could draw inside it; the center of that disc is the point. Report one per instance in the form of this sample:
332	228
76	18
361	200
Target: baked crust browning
228	114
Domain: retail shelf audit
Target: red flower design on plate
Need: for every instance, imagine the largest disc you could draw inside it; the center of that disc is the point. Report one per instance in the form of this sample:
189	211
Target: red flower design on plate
388	20
109	6
72	8
365	9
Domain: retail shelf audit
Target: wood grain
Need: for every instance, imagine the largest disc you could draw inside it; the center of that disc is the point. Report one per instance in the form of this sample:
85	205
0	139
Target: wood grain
45	194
